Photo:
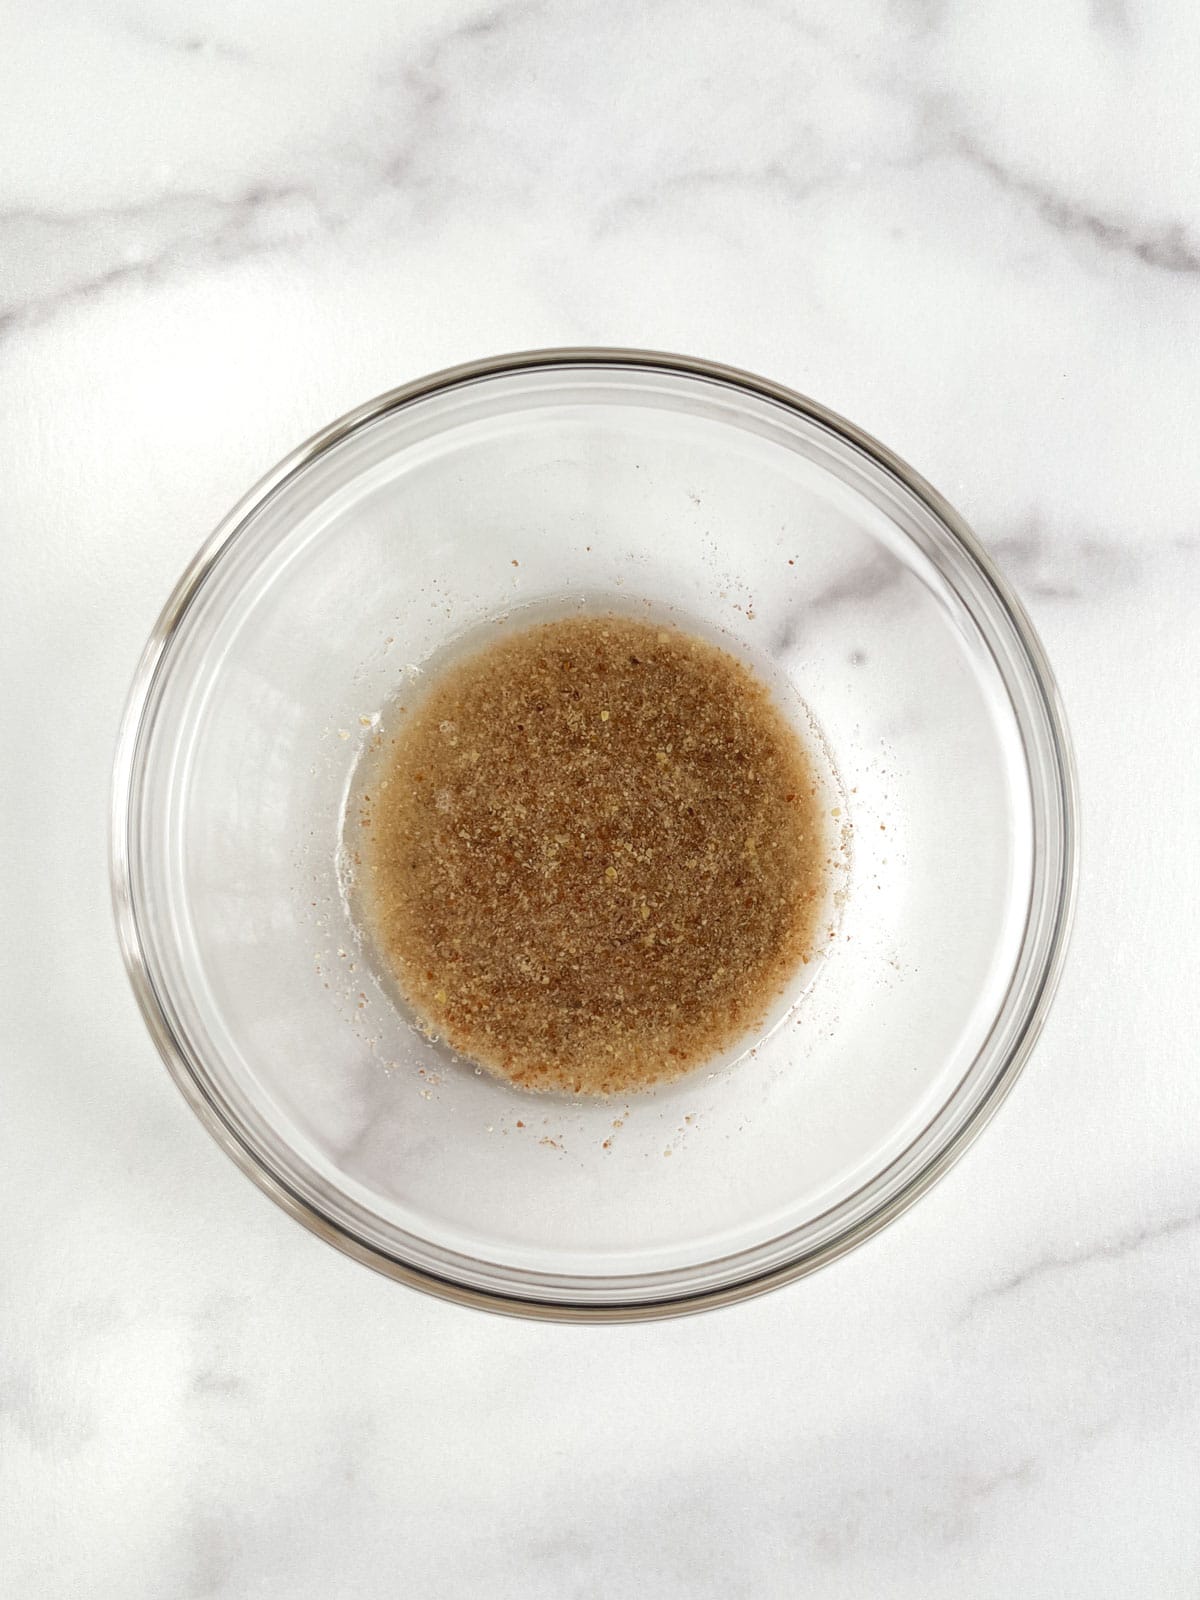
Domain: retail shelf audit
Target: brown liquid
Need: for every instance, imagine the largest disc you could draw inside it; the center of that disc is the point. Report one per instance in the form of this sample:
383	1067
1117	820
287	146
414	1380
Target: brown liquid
595	854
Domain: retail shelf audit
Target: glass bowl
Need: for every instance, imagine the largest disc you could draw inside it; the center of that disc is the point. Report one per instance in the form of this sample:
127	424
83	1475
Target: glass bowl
534	484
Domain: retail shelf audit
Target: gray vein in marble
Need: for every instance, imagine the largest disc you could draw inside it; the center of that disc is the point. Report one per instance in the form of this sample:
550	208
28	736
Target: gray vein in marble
212	1381
1057	566
1040	565
926	16
190	226
862	582
1112	17
867	581
1118	1249
189	42
1165	246
32	1405
491	23
949	1514
197	227
773	177
210	1550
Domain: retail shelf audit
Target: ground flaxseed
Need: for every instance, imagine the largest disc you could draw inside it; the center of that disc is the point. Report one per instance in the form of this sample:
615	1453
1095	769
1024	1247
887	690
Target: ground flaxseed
595	854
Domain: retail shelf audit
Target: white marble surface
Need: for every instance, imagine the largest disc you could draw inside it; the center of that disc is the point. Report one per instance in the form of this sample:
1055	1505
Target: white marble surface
974	228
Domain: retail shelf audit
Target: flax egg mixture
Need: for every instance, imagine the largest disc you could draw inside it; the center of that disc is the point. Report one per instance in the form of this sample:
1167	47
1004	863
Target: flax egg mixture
595	855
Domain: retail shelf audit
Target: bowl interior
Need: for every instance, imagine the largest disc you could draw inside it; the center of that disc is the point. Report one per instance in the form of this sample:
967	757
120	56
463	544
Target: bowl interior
533	491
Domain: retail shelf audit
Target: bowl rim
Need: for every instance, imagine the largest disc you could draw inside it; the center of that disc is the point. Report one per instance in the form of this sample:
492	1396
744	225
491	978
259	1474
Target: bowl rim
122	817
